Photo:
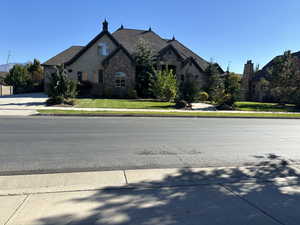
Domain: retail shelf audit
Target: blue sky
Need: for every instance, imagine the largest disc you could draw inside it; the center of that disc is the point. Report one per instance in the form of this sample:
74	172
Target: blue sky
222	30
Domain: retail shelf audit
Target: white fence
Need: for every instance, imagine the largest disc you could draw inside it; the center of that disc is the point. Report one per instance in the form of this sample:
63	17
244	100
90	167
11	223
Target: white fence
6	90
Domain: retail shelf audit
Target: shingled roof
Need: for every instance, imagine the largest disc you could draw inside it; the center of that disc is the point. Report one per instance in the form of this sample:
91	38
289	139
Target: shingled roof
264	72
128	39
64	56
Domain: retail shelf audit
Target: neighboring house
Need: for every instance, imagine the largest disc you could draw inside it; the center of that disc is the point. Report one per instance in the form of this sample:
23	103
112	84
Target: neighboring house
2	77
108	60
253	87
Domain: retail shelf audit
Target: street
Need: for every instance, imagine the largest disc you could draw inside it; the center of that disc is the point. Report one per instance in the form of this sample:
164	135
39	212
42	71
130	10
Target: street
48	144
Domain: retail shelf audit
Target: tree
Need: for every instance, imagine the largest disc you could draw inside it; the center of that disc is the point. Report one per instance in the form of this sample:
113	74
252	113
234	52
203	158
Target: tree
19	78
144	59
232	87
215	87
282	77
165	85
61	88
36	71
189	91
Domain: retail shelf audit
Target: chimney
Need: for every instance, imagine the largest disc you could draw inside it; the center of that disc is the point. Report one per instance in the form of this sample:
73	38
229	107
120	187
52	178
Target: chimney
105	25
249	69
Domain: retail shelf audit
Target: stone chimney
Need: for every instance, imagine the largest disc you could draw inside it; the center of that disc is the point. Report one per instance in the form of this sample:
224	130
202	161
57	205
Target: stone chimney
248	74
105	25
249	68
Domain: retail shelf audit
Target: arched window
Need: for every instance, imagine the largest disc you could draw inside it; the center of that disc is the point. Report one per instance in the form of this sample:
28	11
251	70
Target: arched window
120	79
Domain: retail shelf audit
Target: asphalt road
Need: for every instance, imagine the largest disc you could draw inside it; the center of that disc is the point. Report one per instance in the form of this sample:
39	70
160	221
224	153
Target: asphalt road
48	144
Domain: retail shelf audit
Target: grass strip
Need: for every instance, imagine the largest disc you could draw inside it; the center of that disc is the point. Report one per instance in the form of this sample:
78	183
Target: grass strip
177	114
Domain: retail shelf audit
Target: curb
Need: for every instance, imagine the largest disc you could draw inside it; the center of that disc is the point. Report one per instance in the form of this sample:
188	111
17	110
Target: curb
158	116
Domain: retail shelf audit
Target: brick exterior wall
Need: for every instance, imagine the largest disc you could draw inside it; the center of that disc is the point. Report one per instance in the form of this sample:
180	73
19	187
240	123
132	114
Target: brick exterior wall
120	62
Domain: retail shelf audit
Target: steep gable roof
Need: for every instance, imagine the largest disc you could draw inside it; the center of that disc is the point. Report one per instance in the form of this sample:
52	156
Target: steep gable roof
128	39
63	57
187	53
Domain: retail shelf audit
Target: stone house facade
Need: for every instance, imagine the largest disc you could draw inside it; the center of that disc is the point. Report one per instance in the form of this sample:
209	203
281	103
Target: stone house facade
255	83
107	61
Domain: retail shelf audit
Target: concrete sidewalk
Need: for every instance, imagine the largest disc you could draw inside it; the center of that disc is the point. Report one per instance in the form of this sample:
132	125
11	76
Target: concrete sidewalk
246	195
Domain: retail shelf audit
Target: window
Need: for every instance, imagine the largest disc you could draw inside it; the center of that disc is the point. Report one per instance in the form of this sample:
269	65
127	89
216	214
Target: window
79	76
120	79
100	76
120	83
103	49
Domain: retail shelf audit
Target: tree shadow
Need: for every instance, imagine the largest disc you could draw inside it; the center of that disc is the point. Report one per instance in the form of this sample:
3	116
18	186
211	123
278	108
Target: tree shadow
237	196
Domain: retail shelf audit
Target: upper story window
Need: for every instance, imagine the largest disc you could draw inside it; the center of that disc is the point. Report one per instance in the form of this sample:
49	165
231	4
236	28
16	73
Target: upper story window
103	49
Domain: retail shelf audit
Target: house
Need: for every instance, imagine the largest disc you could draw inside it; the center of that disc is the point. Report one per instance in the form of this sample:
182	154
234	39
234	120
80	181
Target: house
254	87
108	62
2	76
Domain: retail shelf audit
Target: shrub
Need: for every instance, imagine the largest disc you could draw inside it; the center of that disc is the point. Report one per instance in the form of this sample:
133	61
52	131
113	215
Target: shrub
165	85
84	88
61	88
189	91
132	93
203	96
181	104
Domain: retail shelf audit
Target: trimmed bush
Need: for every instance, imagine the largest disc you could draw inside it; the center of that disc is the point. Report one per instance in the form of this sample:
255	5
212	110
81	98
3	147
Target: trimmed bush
203	96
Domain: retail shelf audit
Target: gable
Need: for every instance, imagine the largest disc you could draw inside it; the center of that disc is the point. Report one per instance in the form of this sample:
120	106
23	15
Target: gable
89	58
92	46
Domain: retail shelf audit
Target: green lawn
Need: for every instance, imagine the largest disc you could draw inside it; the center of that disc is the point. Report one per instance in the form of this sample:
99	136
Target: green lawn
183	114
123	103
267	107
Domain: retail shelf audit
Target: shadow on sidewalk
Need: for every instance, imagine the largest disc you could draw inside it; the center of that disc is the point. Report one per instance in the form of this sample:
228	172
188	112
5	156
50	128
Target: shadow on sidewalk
259	201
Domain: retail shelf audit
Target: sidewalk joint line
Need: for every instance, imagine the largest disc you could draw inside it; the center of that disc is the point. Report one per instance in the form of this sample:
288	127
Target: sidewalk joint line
17	209
252	204
125	177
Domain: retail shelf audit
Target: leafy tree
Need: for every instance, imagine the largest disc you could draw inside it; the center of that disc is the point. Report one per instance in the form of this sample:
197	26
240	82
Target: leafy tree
144	59
36	71
165	85
61	88
19	78
282	77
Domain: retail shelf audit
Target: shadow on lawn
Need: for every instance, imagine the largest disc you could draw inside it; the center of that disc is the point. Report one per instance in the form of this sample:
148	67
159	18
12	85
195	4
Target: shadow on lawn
183	199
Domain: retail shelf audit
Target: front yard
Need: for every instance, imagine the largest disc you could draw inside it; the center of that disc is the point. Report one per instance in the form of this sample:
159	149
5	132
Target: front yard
123	104
266	107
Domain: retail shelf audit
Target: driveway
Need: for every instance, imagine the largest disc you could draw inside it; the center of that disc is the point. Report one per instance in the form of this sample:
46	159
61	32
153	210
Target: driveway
23	101
22	104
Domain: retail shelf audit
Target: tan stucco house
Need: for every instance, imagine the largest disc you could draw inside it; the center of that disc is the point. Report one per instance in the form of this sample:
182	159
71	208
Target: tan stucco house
108	63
